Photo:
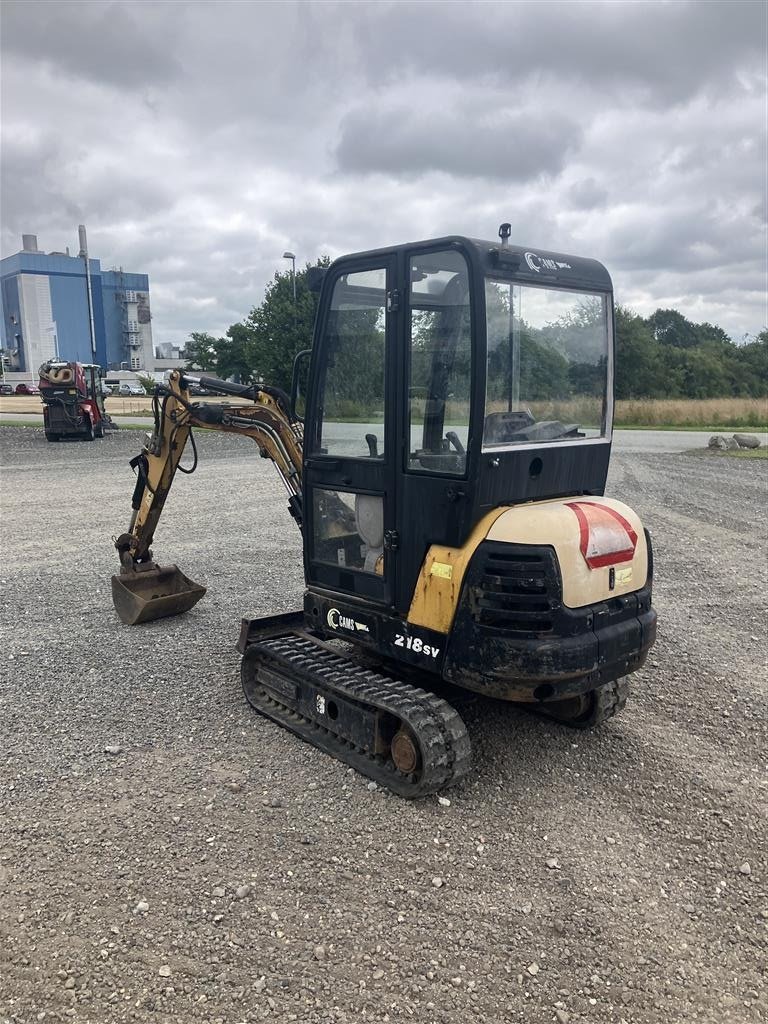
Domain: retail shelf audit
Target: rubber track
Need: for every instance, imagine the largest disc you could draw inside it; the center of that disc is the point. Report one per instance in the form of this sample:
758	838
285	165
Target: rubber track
607	700
610	699
442	736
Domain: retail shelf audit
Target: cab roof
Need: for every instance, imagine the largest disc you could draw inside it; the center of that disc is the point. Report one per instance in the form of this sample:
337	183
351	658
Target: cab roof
542	267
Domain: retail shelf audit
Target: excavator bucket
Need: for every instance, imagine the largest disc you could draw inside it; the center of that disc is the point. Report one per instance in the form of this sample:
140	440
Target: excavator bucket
154	594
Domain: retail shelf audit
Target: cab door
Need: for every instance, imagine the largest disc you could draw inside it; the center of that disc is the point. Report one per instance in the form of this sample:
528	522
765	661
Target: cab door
349	500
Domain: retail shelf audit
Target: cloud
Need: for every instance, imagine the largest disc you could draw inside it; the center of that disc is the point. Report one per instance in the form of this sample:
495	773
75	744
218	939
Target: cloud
108	43
470	140
200	141
663	54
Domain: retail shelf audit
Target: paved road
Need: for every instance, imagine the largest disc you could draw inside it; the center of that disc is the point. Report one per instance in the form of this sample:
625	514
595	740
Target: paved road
668	441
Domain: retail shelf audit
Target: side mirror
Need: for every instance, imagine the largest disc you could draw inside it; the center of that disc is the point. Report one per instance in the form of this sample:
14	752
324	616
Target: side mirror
300	384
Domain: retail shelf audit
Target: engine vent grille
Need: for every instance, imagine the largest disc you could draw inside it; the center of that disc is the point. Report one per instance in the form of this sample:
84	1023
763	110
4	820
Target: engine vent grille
515	589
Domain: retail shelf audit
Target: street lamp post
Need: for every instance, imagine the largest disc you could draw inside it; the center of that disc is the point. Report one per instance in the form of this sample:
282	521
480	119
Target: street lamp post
292	257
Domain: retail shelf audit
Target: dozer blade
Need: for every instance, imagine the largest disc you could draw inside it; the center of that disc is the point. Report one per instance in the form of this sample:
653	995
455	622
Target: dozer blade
154	594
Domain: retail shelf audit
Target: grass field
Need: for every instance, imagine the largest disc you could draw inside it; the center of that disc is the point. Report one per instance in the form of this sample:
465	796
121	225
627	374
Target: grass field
652	413
700	414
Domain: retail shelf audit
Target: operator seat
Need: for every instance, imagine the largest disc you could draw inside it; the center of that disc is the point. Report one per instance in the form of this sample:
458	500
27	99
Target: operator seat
369	519
501	427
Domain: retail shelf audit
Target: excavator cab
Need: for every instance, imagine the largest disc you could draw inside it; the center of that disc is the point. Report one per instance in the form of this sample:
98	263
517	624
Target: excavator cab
448	479
448	378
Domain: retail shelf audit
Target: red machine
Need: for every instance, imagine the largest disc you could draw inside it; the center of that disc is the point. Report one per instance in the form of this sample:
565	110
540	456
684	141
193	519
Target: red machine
73	402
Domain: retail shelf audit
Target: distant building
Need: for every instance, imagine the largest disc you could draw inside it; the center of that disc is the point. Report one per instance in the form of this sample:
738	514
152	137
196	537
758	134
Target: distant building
57	306
167	350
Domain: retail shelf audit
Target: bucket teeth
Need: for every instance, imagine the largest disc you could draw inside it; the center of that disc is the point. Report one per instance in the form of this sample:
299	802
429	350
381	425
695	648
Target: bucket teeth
154	594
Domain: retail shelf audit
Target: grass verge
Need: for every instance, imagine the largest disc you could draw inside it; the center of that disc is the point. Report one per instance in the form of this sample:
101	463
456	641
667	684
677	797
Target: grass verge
729	453
39	426
712	428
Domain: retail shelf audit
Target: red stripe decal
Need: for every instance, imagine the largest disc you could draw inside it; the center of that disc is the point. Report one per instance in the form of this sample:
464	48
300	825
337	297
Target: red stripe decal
590	525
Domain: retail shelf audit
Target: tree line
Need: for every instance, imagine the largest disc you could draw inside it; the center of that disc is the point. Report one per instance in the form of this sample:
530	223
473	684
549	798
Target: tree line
664	355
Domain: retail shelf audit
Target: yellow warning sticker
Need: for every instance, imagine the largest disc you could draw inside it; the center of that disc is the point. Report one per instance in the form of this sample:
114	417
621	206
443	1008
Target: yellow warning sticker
624	576
441	569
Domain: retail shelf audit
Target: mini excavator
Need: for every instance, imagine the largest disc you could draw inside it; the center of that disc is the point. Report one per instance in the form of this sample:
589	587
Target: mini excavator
448	478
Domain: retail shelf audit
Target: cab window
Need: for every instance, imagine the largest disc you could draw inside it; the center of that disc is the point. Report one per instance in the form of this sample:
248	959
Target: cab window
548	374
354	348
440	373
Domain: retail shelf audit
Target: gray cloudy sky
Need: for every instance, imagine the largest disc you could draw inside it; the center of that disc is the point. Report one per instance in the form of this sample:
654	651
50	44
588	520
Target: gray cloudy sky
198	141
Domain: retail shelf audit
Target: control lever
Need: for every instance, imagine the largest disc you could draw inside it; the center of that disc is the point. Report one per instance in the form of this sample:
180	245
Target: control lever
453	437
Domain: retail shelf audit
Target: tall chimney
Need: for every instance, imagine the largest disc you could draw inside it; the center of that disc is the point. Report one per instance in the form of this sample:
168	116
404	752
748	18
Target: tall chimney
84	256
29	243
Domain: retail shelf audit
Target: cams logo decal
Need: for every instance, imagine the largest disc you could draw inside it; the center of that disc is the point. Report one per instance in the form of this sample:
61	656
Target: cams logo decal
336	620
539	263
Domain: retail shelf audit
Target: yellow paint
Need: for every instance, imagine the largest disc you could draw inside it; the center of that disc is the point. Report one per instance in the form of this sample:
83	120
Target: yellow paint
443	569
549	523
437	595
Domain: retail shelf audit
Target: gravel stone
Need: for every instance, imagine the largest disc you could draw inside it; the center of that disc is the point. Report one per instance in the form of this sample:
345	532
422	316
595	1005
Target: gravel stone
85	836
747	440
723	443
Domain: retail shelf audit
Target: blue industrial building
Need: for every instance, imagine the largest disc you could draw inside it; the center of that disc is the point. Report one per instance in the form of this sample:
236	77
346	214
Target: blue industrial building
57	306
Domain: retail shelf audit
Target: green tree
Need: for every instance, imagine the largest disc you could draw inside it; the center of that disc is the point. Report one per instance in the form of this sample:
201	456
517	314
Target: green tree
235	355
148	383
201	353
638	358
752	360
697	372
671	328
275	331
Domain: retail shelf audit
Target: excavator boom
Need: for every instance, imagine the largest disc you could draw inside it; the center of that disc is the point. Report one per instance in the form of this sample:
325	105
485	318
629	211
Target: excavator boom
144	591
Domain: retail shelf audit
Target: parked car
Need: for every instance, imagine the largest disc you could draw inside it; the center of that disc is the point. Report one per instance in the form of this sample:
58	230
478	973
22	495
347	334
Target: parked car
27	389
127	390
6	389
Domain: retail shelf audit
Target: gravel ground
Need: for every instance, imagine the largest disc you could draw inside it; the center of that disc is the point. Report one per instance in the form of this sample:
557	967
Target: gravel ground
168	856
